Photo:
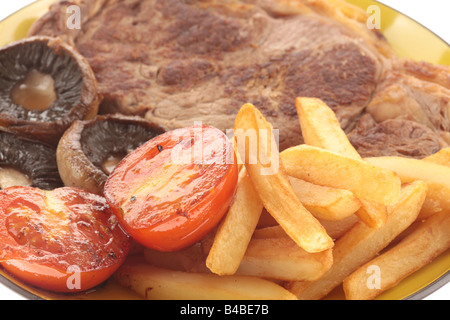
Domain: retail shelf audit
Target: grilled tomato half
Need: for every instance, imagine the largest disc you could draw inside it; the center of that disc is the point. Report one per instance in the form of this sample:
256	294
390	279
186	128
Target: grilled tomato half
174	189
63	240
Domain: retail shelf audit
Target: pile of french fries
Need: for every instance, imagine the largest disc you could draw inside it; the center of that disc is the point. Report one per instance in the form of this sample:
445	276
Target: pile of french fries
323	218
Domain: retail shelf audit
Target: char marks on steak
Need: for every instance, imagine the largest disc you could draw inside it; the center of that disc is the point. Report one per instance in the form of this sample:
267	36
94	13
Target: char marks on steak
176	62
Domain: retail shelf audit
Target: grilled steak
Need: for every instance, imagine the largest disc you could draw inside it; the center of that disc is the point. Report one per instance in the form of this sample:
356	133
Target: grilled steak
394	137
180	61
418	92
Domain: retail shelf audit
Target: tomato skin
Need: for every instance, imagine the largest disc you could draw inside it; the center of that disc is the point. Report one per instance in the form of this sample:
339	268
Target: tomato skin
65	240
168	205
54	280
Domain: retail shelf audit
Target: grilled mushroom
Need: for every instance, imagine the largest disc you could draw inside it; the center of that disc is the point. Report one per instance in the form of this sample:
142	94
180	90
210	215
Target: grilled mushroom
45	85
27	162
89	150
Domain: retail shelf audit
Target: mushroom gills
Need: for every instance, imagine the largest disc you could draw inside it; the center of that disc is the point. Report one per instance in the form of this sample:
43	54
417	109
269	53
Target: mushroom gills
45	85
108	140
89	150
35	92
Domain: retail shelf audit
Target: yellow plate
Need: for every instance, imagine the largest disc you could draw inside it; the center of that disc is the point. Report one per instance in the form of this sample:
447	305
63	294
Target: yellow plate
397	28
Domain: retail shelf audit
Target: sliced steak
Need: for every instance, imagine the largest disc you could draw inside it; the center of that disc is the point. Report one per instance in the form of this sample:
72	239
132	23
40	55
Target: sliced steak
176	62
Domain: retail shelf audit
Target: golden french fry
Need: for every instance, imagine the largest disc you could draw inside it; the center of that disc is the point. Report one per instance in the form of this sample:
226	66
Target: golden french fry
236	229
361	243
272	184
426	242
271	254
282	259
321	128
323	167
337	229
435	175
324	202
154	283
441	157
372	213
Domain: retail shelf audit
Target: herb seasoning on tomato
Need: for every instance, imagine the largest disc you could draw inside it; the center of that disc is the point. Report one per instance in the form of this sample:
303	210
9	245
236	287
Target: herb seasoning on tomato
174	189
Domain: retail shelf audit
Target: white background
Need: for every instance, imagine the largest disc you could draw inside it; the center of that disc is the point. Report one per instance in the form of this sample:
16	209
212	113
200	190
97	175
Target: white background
434	14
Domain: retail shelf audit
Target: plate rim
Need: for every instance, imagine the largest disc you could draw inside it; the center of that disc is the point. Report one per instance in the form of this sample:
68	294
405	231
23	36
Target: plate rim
412	19
430	288
17	288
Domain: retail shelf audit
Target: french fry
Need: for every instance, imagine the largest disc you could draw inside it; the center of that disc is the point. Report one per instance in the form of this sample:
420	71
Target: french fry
441	157
272	184
373	214
323	167
154	283
321	128
282	259
324	202
270	254
419	248
361	243
236	229
337	229
435	175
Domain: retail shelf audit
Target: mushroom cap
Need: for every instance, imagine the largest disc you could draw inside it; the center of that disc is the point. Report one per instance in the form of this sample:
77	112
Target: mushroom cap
74	83
33	158
85	146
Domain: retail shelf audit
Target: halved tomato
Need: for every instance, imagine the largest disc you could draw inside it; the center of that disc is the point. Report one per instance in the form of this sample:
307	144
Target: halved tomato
64	240
174	189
